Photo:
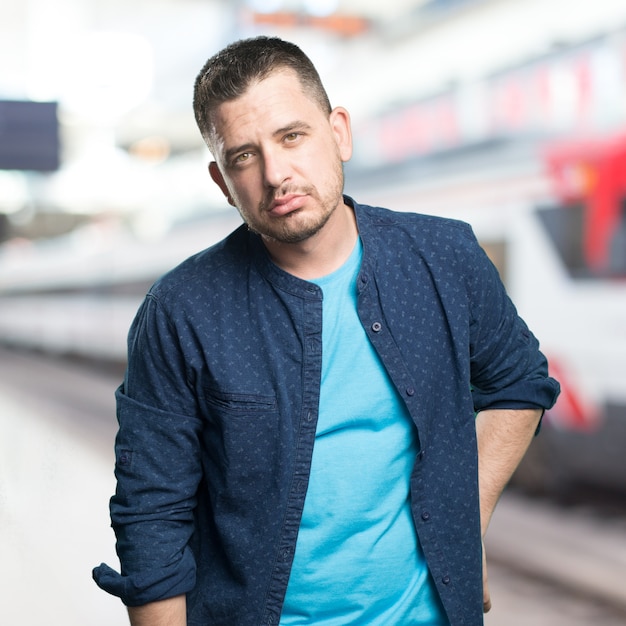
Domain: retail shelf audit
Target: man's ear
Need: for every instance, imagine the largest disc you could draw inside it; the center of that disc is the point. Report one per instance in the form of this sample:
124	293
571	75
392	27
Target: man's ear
340	123
218	179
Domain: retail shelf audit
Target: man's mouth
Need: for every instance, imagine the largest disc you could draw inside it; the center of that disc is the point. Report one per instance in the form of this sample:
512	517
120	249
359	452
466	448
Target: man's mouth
286	204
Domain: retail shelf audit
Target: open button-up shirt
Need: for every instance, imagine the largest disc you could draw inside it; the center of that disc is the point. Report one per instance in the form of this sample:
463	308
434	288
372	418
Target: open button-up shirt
217	412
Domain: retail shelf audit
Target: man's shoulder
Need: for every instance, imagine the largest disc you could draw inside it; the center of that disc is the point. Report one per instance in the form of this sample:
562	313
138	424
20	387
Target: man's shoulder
423	227
217	263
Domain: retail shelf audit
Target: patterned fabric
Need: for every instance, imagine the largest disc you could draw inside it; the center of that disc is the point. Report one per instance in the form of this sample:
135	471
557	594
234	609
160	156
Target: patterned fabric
218	412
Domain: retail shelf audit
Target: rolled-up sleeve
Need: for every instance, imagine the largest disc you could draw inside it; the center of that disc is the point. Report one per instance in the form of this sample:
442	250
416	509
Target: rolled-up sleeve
157	467
508	370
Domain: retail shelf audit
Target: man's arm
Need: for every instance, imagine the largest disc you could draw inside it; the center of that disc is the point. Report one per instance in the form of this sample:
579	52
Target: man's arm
503	436
170	612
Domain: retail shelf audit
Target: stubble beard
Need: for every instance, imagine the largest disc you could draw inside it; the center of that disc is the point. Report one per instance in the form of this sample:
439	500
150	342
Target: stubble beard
296	227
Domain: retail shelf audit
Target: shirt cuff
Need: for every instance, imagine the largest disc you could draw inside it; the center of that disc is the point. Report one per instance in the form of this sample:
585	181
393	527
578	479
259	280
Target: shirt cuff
143	587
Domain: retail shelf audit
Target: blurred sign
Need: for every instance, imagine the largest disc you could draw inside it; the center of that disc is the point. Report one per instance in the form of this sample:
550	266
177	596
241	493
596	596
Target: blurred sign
344	25
579	91
29	136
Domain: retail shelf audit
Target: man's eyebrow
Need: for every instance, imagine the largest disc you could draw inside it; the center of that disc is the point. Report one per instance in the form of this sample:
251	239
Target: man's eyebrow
289	128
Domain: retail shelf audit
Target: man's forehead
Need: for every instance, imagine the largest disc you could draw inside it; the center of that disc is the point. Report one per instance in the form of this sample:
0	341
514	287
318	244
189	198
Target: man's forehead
272	109
286	77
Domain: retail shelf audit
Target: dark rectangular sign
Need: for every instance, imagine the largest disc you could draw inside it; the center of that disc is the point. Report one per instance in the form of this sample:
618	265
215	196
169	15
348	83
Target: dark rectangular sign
29	136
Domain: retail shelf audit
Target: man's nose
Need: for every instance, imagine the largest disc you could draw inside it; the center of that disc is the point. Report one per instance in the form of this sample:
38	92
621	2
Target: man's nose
275	168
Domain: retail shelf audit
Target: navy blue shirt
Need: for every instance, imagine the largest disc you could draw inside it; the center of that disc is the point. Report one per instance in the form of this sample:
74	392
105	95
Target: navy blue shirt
218	409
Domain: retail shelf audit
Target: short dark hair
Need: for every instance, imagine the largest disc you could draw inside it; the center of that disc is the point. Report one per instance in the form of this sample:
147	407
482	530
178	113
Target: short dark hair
228	74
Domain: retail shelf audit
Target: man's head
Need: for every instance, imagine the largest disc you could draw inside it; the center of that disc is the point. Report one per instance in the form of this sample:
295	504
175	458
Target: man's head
228	74
279	149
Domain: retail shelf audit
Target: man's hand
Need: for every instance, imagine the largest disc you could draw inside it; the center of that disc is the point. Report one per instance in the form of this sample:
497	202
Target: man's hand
486	594
503	435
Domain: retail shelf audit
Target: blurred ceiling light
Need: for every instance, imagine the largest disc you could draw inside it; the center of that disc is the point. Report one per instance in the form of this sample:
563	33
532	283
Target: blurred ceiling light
151	149
265	6
107	75
102	180
14	194
321	8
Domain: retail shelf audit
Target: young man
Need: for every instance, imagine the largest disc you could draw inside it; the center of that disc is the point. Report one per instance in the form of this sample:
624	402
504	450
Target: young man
298	437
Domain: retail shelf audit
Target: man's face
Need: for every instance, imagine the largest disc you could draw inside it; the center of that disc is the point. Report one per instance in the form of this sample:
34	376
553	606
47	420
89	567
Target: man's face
279	158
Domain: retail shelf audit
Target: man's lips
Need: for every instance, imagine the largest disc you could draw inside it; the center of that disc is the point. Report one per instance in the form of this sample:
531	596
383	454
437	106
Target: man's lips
286	204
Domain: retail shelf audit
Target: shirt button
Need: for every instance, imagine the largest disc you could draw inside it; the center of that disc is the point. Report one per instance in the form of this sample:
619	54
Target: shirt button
410	391
446	580
425	515
376	327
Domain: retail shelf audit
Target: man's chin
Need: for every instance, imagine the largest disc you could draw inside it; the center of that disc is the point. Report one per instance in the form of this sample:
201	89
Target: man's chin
288	238
287	230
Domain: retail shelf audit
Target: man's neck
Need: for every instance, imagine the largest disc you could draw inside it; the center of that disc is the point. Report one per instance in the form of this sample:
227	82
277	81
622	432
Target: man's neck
321	254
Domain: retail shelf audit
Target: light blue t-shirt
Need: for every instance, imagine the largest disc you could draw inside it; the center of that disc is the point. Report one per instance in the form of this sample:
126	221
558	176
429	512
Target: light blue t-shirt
357	559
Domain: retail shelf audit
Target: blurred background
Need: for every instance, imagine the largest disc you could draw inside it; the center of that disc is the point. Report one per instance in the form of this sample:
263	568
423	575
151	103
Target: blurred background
508	114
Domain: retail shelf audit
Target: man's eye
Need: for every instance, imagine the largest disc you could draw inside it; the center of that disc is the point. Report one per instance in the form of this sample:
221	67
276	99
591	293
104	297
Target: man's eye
292	137
240	158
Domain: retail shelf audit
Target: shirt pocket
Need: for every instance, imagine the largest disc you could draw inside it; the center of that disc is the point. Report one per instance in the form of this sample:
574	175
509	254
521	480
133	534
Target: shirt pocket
244	446
240	404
